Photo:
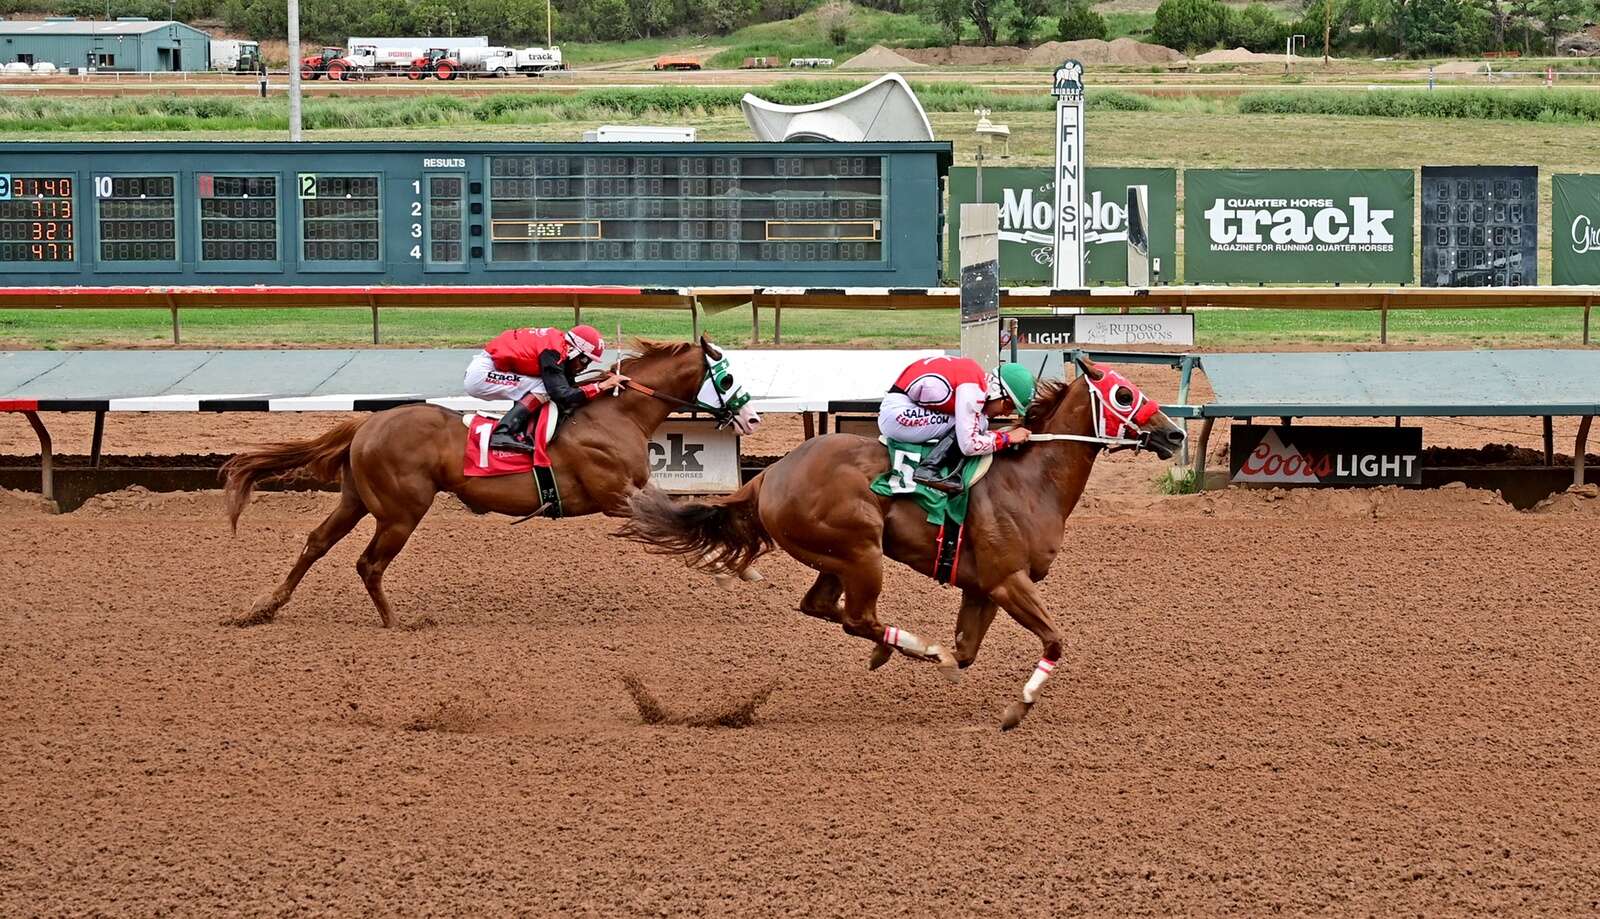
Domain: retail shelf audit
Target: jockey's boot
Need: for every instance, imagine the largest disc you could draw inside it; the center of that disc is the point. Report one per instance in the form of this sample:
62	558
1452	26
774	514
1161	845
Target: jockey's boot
931	471
512	431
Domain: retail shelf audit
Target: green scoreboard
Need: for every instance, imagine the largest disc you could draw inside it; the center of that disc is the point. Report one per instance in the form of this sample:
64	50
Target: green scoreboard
664	214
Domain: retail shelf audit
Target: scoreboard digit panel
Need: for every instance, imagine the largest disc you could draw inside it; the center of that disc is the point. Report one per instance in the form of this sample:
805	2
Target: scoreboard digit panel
341	220
696	208
239	220
136	219
447	218
38	220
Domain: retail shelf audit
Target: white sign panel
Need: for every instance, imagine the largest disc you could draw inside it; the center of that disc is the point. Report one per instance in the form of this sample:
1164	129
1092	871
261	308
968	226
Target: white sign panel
694	458
1067	87
1133	329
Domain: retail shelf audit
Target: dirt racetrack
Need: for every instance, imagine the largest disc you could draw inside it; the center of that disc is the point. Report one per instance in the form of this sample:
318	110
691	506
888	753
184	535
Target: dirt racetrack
1339	701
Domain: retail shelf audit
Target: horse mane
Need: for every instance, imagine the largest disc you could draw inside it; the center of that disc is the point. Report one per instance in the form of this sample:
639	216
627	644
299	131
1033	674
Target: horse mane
644	348
1047	397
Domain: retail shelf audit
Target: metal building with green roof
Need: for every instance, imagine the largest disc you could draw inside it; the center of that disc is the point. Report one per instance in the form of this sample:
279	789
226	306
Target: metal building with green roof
129	45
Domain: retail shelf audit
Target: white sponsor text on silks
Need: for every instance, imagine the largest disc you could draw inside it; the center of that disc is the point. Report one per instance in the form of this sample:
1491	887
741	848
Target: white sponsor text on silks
1357	223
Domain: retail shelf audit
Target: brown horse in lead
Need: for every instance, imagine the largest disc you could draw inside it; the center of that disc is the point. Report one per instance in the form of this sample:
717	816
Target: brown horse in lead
392	464
817	505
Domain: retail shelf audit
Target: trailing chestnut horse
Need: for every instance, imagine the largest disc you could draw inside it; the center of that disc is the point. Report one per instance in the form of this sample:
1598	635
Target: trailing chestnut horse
816	504
394	463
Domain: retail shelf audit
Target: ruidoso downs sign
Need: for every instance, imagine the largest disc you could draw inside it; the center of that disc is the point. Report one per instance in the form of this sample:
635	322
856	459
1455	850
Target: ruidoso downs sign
694	457
1320	455
1575	238
1027	200
1298	225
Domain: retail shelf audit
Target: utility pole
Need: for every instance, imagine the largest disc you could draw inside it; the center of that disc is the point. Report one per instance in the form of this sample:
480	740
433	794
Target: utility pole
549	31
294	70
1327	28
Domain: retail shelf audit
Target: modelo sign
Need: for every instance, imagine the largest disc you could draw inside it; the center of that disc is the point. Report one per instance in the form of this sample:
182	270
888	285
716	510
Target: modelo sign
1027	201
1315	455
694	457
1298	225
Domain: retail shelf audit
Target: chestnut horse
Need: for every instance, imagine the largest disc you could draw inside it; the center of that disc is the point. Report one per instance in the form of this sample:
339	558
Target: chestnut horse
816	504
392	464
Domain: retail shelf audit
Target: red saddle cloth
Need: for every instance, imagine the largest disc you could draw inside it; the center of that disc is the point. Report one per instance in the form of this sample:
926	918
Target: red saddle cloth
482	461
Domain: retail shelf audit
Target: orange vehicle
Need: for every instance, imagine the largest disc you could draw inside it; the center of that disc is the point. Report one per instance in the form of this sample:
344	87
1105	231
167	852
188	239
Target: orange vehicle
436	63
676	62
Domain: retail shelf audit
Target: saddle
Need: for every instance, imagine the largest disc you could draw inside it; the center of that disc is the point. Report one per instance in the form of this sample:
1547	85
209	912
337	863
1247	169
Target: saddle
481	461
947	512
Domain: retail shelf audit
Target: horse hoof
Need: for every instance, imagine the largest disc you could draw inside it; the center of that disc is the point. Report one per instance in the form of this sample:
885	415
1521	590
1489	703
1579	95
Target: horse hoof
751	575
724	581
880	656
1015	712
947	663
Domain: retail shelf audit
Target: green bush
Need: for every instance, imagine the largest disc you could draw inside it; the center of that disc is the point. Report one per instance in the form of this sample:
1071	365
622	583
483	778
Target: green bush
1190	25
1081	22
1507	105
1256	27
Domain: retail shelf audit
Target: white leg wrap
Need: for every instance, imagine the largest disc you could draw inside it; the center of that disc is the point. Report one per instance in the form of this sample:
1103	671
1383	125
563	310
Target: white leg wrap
905	641
1030	692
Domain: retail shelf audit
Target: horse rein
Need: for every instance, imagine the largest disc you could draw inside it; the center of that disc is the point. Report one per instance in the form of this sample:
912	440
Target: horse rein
721	414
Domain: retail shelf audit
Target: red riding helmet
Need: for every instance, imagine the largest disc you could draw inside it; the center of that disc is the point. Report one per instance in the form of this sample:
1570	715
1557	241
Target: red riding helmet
585	340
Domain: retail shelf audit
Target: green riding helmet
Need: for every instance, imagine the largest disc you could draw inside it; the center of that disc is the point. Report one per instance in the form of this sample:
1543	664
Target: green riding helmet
1012	381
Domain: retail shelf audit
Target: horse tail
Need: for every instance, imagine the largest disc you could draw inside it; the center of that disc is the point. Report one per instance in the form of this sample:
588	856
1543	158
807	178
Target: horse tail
321	458
720	535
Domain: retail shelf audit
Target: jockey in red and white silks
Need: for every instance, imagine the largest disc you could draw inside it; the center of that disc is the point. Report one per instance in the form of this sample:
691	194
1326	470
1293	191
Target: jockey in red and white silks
532	367
950	400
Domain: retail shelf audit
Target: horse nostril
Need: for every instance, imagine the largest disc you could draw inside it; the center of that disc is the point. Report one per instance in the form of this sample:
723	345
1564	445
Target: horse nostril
1175	436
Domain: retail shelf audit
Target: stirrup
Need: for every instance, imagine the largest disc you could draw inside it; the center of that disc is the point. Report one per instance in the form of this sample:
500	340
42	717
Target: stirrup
510	442
949	483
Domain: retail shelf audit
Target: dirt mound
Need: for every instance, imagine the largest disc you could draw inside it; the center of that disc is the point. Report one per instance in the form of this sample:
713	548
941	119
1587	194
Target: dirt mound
966	55
1454	502
1094	51
1579	499
1455	67
1238	56
729	713
878	57
24	502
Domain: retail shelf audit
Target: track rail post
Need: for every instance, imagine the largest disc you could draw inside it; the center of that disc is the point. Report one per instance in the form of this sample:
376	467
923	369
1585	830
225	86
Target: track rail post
1579	449
47	473
1549	441
1588	305
1383	321
97	439
1200	454
755	322
172	304
373	304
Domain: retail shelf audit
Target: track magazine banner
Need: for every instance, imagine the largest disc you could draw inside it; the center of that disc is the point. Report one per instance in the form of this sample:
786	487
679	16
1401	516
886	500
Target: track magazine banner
1027	219
1298	225
1480	226
1575	232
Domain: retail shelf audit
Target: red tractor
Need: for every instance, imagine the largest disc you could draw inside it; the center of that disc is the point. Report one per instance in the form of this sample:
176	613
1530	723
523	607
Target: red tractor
330	61
436	63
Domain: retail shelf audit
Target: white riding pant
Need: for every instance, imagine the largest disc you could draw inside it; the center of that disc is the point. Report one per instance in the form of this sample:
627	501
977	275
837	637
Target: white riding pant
483	381
901	419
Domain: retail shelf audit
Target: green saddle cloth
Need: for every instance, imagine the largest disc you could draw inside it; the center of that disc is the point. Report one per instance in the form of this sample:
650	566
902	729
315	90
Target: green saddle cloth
940	507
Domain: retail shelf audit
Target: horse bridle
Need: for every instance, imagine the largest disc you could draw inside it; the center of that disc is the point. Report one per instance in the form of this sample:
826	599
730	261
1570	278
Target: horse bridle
716	371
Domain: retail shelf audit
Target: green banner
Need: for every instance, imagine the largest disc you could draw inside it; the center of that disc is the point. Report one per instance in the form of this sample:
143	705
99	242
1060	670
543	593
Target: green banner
1575	237
1027	199
1300	226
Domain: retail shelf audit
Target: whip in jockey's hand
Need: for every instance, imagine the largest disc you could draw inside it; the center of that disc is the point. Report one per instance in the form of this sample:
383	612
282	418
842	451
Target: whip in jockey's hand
533	367
949	401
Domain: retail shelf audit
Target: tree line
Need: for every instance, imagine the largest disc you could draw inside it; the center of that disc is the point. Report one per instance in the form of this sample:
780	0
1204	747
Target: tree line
1414	28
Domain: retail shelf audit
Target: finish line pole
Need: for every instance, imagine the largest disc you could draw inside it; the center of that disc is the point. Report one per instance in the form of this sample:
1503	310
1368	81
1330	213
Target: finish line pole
294	70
